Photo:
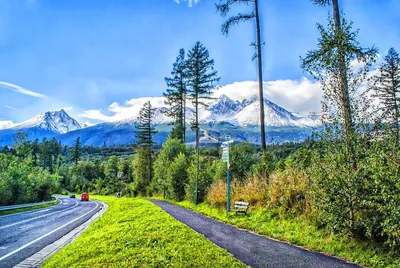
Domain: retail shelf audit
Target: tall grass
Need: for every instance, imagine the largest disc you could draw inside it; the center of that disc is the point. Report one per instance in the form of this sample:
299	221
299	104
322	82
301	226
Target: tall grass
286	190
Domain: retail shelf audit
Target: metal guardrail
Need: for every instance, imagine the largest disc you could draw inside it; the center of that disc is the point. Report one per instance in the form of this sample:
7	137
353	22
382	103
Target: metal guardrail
3	208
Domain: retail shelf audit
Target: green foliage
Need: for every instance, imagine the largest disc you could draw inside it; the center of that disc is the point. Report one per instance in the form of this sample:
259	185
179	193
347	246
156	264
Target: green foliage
242	158
177	177
76	154
21	182
142	170
205	179
144	126
386	86
176	96
162	165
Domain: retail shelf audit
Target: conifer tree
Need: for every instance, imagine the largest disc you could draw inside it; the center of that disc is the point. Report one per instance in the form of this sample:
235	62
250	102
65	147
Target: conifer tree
176	96
331	65
223	8
201	79
386	85
76	155
339	45
144	136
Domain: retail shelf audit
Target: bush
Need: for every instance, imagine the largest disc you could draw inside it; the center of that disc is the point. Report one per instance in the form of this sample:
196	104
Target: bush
177	177
205	179
242	158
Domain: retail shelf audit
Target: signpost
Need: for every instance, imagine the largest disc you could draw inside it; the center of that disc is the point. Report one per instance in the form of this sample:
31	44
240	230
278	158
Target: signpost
225	158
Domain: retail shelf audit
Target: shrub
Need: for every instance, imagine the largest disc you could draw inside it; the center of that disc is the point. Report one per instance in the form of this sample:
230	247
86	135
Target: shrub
205	179
289	190
177	177
242	158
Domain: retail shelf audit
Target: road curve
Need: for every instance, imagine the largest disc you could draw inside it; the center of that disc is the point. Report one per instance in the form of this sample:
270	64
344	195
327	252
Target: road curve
23	234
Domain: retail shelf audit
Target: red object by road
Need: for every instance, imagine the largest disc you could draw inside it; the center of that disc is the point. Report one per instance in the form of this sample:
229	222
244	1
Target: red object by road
84	197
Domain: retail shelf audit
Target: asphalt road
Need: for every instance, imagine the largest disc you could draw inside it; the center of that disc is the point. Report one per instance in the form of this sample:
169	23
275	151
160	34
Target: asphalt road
23	234
253	250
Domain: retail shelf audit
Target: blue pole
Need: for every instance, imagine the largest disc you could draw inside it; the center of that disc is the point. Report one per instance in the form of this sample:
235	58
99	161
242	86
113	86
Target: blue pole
228	190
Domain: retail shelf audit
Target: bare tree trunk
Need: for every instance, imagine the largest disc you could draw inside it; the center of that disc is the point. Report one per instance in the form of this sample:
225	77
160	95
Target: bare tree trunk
344	89
397	114
260	78
197	152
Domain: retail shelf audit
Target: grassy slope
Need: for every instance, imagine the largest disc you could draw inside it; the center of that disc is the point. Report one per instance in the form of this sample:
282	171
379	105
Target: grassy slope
17	210
137	233
301	232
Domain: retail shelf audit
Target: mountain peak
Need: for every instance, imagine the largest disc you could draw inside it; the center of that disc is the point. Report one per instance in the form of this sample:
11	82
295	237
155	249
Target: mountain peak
55	121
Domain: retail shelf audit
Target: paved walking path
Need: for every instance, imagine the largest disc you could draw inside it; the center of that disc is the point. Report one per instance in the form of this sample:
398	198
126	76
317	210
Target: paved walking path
251	249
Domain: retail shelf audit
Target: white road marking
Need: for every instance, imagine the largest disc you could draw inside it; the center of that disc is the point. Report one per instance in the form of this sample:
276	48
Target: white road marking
31	211
38	217
3	248
43	236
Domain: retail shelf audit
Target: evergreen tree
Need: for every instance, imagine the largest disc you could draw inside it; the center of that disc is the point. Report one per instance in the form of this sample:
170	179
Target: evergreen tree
386	85
331	65
22	145
224	7
35	152
77	150
176	96
144	136
339	50
201	79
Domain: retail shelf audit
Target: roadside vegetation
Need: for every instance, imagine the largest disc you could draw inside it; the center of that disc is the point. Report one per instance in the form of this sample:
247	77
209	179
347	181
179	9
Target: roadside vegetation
137	233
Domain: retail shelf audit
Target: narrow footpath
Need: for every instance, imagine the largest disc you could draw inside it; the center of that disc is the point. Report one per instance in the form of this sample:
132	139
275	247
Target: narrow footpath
251	249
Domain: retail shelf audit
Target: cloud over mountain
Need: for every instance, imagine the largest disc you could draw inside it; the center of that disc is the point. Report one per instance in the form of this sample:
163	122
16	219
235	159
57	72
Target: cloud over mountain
302	96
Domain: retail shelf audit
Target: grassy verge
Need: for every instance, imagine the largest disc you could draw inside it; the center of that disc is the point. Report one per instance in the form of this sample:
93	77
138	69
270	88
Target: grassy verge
17	210
137	233
299	231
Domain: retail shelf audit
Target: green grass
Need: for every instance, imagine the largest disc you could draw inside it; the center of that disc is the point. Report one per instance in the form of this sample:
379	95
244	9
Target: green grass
17	210
301	232
137	233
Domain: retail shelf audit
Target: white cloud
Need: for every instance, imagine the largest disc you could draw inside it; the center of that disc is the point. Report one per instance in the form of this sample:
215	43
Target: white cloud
6	124
120	112
190	2
302	96
10	107
69	108
21	90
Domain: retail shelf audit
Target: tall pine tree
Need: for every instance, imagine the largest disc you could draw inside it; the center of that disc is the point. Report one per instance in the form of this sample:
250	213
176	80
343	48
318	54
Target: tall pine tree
176	96
144	136
76	154
386	85
224	7
201	79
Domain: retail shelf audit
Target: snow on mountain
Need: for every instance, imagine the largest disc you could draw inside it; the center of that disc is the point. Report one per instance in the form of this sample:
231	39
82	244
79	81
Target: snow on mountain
222	109
57	121
274	115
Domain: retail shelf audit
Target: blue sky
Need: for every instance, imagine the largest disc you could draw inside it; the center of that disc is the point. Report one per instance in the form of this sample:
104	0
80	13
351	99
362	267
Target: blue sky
86	55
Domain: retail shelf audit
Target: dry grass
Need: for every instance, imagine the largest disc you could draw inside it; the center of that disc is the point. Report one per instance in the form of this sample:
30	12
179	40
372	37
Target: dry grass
285	189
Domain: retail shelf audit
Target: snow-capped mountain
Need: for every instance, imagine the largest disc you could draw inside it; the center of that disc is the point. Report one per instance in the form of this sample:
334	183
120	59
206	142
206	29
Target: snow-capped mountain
244	113
58	121
247	113
239	119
